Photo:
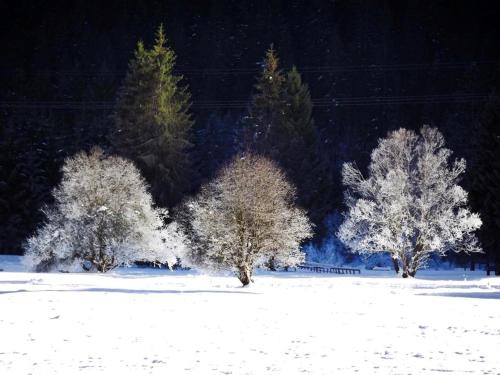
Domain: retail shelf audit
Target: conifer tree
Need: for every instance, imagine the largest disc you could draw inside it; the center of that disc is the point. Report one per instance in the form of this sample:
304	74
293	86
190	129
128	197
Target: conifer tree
299	151
281	111
283	129
299	119
153	121
486	183
298	138
268	106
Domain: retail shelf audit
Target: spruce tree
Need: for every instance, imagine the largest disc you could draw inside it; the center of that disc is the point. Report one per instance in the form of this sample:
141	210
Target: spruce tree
298	136
268	106
281	111
298	142
153	122
283	129
486	183
299	121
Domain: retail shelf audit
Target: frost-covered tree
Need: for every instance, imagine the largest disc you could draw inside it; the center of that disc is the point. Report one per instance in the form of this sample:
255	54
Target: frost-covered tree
102	217
410	205
247	216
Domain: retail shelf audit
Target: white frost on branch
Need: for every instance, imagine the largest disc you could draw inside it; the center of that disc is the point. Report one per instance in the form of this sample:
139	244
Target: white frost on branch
410	205
245	217
102	215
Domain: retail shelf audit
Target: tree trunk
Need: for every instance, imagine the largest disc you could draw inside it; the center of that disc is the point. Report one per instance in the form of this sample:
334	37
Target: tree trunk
271	264
410	266
244	275
408	271
396	265
404	264
102	265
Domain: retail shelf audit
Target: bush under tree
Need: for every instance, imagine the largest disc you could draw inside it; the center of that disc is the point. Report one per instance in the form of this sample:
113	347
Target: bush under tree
102	217
410	206
245	217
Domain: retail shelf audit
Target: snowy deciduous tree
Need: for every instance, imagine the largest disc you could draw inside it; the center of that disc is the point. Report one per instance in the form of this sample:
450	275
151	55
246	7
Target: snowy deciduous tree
410	205
247	216
102	217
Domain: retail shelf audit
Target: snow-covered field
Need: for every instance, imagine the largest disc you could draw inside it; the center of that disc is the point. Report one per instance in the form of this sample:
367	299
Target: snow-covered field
138	321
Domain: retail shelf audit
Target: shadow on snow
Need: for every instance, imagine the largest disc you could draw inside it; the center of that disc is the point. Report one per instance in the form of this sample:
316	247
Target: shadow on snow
132	291
480	295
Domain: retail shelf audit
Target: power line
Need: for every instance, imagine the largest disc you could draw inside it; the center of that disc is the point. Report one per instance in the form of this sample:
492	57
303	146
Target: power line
243	103
304	69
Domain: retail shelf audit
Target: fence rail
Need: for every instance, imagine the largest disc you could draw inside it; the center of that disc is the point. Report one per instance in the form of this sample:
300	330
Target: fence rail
329	269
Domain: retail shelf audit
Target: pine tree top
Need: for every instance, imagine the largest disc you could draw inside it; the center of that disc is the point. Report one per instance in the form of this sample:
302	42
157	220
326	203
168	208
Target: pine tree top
270	83
271	62
160	38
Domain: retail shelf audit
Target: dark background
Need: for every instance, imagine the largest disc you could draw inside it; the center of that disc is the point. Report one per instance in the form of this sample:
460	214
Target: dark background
371	66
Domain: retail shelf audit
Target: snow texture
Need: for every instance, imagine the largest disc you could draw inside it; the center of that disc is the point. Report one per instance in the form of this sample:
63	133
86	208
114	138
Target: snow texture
151	321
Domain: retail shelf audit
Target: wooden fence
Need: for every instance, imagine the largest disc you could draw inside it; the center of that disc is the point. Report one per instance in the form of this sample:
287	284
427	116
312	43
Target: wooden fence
329	269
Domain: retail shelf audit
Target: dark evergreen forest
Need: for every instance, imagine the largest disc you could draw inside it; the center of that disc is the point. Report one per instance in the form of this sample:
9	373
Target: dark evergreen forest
370	66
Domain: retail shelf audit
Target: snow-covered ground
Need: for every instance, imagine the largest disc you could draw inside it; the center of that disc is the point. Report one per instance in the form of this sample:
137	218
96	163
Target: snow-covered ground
139	321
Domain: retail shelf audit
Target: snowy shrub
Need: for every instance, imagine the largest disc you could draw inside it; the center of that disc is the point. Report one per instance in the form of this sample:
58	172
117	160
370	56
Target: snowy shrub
245	217
410	205
330	250
102	216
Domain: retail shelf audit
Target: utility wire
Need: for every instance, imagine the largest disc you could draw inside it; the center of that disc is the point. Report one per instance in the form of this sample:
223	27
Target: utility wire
243	103
302	69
